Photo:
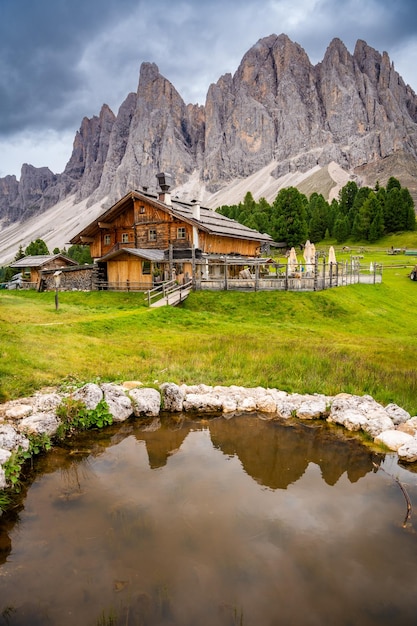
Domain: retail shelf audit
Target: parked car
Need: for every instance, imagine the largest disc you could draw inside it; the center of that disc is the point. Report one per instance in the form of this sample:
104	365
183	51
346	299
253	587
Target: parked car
16	282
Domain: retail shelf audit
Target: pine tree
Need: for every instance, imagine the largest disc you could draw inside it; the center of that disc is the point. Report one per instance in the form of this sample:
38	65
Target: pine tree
290	223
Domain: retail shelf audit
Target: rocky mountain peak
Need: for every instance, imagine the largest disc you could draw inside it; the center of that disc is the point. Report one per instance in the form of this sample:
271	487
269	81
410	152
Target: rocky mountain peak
276	111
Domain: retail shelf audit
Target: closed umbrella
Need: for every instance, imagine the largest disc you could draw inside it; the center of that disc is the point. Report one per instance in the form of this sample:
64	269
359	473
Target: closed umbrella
292	261
313	253
332	256
307	252
309	255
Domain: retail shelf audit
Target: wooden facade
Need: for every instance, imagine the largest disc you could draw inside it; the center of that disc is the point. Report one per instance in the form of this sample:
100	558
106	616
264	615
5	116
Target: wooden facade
36	264
137	239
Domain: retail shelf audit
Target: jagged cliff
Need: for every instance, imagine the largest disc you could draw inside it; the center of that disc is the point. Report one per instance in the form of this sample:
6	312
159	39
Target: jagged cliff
350	109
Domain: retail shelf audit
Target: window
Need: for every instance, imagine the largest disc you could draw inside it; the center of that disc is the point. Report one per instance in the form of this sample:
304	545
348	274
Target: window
125	237
142	209
181	232
146	267
107	240
152	234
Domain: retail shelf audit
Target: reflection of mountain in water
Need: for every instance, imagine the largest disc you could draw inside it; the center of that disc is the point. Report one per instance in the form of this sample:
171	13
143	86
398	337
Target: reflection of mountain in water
274	454
162	439
277	454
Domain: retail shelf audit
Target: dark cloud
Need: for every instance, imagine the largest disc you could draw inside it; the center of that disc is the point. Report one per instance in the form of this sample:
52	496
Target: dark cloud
60	60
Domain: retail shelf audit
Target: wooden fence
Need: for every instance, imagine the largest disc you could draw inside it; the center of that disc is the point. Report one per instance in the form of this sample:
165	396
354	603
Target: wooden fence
316	277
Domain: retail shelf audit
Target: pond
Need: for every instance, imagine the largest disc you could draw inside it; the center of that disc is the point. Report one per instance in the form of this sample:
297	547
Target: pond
212	522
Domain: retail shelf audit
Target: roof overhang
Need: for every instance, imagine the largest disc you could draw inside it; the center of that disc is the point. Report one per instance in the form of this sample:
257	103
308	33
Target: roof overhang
156	256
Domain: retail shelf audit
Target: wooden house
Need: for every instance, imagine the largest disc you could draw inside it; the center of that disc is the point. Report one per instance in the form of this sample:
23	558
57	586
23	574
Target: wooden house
33	266
144	238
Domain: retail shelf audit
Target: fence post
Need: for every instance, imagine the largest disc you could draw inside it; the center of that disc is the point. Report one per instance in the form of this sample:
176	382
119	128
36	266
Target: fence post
316	271
225	274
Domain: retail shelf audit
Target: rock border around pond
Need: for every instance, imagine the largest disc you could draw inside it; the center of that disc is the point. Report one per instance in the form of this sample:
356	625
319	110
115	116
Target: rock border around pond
391	425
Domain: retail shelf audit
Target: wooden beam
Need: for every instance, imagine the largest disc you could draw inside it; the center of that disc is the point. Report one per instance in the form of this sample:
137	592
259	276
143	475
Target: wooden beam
86	239
105	225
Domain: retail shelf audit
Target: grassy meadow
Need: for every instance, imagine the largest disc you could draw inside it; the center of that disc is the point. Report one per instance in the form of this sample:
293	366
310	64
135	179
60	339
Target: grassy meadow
358	339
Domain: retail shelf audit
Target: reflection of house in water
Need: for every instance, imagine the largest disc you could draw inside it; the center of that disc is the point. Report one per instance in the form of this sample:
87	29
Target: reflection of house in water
277	454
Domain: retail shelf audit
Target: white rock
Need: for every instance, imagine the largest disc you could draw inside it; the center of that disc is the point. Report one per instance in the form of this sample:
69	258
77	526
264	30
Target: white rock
247	403
359	412
229	405
120	405
90	394
46	402
408	452
172	397
313	407
397	414
39	424
288	405
377	421
145	401
3	481
352	420
11	439
203	402
393	439
18	411
266	403
4	456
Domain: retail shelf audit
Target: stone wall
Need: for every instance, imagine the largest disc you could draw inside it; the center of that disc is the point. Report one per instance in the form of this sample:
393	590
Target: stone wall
78	278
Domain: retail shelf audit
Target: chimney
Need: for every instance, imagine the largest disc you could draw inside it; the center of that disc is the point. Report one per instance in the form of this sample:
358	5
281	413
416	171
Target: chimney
164	180
196	209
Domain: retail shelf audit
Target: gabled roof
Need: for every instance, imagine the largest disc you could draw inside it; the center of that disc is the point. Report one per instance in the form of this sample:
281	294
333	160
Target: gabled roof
209	221
38	260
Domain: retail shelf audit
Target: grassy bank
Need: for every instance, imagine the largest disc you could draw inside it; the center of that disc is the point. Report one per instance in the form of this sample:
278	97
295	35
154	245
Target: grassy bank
358	339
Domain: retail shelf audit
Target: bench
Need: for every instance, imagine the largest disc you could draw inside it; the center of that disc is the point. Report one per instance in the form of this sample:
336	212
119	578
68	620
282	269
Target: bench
410	252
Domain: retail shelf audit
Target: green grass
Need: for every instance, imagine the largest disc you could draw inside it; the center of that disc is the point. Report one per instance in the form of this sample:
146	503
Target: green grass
359	339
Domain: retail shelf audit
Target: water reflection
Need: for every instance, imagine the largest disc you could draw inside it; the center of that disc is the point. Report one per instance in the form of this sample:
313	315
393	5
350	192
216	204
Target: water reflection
277	454
211	522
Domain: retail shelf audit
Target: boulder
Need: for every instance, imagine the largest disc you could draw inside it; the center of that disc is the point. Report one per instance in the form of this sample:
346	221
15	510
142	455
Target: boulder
120	405
377	421
145	401
172	397
202	402
46	402
39	424
393	439
359	412
90	394
313	407
4	456
11	439
397	414
288	405
408	451
18	411
266	403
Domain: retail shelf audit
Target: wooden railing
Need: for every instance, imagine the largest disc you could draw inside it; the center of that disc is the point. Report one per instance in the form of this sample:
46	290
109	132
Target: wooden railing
171	292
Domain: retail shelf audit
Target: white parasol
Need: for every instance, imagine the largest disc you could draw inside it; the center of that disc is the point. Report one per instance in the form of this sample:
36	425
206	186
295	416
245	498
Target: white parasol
292	261
332	256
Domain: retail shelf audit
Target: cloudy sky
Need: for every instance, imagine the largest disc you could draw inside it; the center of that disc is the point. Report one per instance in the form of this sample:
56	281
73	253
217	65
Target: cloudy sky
60	60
